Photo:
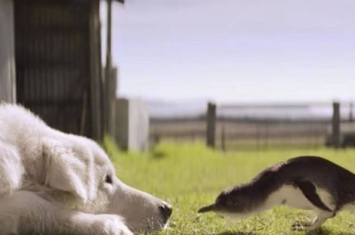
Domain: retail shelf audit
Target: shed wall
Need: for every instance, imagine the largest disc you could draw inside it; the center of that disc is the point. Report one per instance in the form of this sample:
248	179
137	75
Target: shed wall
7	64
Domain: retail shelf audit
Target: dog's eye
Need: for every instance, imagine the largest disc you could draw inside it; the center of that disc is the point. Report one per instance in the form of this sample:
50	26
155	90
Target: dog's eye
108	179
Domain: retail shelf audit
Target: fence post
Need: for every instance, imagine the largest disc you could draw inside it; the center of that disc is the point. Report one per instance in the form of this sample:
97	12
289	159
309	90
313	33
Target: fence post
211	125
223	137
351	112
336	125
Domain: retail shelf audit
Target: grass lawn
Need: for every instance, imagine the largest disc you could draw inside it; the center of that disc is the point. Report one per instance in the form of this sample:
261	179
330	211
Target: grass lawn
189	176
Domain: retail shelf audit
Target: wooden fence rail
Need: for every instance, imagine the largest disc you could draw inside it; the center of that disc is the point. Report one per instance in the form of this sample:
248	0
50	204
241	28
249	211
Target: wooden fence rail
212	119
221	131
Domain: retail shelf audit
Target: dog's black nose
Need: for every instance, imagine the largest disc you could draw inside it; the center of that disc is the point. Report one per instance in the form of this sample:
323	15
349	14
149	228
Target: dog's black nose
166	210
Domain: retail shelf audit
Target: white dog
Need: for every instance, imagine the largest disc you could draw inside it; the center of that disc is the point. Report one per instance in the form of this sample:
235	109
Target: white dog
57	183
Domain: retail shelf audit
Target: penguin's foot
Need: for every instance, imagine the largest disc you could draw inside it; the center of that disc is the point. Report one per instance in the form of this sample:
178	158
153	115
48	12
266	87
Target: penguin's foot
301	225
312	225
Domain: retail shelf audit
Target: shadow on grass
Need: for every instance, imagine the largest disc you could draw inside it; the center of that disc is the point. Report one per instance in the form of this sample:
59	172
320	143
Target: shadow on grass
322	231
235	233
158	154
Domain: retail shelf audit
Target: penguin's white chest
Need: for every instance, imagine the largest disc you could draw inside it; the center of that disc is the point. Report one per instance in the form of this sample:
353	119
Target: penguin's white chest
293	197
287	195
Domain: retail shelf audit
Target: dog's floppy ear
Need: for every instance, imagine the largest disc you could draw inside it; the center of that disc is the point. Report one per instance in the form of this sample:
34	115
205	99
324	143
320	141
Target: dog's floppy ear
62	170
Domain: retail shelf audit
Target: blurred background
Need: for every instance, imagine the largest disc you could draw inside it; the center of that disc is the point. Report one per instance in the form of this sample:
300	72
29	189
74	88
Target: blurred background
233	74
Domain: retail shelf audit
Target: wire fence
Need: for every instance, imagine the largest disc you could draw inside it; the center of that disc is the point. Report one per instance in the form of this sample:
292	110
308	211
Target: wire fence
261	126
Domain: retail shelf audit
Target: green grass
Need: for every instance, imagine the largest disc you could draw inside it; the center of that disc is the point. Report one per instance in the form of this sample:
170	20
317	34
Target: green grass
190	176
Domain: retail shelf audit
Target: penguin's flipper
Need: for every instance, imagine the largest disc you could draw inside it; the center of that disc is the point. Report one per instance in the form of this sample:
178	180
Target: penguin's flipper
309	190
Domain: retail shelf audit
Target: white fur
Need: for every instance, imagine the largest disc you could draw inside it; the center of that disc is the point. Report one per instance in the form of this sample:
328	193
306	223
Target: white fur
52	182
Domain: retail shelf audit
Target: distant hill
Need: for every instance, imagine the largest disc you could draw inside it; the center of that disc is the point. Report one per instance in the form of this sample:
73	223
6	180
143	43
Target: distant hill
166	109
194	108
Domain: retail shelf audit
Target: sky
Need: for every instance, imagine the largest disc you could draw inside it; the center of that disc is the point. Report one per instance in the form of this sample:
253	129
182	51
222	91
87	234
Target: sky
235	50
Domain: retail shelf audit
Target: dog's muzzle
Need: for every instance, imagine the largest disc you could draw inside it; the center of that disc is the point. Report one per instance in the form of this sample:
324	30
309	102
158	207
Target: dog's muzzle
165	210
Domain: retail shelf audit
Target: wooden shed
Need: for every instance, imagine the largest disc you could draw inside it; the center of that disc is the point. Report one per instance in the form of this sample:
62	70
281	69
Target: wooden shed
52	63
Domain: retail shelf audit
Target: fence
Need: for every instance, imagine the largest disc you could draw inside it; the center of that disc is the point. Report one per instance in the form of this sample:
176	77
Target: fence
260	126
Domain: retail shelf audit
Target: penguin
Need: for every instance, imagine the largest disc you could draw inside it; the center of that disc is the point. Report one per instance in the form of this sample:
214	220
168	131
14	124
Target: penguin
304	182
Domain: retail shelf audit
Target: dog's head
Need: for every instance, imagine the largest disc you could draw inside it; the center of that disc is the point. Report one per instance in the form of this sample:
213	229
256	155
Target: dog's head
82	177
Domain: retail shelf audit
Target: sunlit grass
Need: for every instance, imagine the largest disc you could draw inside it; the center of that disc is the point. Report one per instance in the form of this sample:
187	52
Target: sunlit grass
189	176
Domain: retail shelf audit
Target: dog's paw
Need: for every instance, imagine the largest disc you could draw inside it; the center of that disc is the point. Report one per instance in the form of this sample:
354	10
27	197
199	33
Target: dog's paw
110	225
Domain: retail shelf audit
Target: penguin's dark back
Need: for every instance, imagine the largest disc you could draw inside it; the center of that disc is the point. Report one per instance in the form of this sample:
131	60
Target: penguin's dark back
325	174
255	191
338	181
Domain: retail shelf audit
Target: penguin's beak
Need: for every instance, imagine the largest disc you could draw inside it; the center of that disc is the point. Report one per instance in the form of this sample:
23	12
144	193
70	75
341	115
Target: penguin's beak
207	208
